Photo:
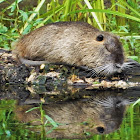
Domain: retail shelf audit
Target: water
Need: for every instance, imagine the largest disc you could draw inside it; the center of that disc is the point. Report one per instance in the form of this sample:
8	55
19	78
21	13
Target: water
37	112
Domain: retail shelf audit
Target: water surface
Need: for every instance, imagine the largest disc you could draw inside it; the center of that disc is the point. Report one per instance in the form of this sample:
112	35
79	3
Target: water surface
37	112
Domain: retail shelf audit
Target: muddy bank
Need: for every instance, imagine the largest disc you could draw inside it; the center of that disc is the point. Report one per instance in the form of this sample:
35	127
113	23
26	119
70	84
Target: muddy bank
12	72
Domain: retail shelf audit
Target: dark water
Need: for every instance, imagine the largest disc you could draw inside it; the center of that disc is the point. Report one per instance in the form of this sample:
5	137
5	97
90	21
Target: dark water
39	112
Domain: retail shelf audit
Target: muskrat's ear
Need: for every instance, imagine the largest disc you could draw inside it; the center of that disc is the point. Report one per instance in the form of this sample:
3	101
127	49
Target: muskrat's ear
100	38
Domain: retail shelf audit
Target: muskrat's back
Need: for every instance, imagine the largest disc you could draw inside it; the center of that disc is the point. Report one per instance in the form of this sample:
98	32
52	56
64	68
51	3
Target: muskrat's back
54	42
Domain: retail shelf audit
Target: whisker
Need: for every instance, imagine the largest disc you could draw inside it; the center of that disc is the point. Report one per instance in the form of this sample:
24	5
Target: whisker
106	102
130	65
104	70
93	73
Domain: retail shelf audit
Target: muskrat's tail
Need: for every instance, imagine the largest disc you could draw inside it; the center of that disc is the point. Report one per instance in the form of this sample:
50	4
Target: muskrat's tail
31	62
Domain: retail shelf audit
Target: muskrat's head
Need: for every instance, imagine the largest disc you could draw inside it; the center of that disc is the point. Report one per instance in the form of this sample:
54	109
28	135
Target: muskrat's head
109	55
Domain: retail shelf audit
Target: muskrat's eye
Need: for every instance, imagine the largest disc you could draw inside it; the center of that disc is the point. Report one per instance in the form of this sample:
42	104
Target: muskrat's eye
100	38
100	129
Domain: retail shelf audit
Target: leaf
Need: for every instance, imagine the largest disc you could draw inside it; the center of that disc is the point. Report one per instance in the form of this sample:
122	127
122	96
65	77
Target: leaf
50	130
51	120
24	15
134	57
32	109
123	28
13	5
3	29
8	133
38	21
26	30
2	1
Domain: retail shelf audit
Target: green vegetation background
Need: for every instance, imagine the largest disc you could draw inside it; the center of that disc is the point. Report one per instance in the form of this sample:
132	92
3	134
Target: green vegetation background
122	17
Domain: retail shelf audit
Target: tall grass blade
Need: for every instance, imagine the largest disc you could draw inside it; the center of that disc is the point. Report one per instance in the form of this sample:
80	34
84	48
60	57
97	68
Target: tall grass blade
67	8
103	15
108	12
121	9
129	37
132	121
138	101
94	15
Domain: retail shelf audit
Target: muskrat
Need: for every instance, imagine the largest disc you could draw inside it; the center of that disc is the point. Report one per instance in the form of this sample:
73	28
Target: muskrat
72	43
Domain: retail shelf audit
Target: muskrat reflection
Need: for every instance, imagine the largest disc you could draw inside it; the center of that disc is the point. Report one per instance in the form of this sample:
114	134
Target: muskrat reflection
98	115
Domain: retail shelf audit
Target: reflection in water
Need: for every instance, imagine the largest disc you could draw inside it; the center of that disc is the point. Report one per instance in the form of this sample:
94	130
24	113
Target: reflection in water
101	114
79	113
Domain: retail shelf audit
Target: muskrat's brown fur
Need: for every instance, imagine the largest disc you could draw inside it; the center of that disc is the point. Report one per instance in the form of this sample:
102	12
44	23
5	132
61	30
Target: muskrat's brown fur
74	43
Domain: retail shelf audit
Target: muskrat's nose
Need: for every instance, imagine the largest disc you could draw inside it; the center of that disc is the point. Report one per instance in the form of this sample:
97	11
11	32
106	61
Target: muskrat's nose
118	65
100	129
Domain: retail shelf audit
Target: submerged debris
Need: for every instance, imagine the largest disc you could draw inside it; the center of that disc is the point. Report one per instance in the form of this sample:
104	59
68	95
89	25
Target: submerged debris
115	84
